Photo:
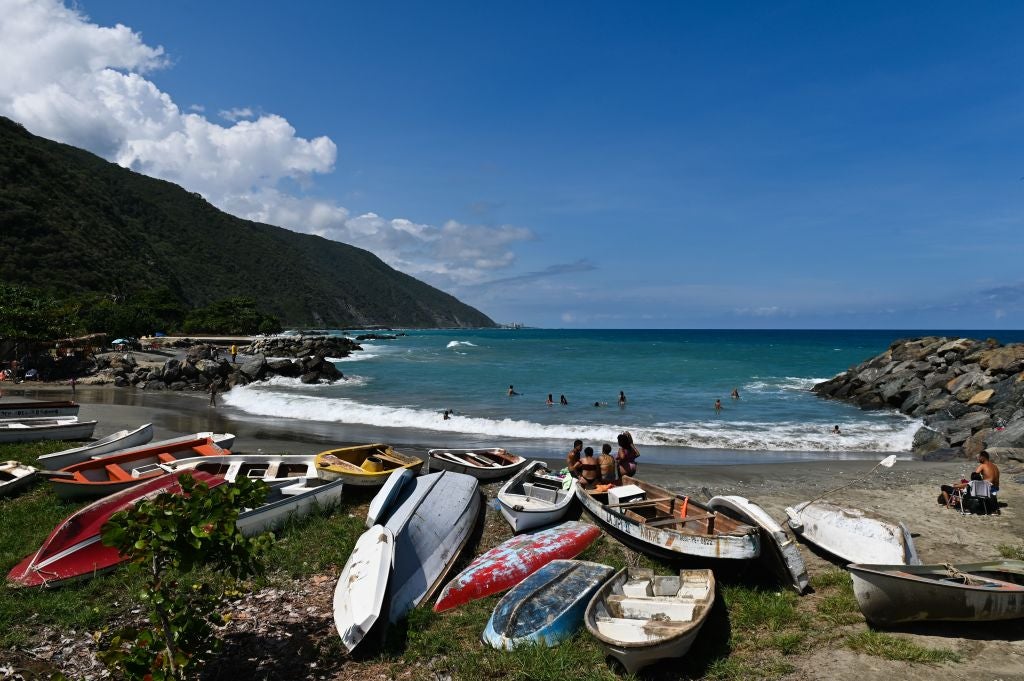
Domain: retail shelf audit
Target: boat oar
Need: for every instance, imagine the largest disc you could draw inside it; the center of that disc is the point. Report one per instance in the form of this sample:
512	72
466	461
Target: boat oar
887	462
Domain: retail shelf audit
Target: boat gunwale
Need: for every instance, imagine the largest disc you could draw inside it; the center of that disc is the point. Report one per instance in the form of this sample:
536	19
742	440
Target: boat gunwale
899	573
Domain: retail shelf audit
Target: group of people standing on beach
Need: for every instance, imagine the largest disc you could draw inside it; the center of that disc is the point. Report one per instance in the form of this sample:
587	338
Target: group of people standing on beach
590	470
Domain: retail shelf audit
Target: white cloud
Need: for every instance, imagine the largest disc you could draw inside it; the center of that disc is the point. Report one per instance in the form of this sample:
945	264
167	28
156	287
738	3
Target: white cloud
68	79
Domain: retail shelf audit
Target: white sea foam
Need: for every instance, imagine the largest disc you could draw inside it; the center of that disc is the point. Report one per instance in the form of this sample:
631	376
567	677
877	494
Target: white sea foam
455	344
350	380
761	384
895	434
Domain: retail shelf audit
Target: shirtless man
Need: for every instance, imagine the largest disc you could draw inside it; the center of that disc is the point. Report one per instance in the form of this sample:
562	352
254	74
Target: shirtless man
572	459
986	469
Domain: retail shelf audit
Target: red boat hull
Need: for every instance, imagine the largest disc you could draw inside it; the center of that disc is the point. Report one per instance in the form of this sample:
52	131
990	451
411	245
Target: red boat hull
506	565
74	548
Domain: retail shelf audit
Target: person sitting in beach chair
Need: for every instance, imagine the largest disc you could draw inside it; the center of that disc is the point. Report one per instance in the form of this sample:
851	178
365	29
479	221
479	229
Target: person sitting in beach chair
953	496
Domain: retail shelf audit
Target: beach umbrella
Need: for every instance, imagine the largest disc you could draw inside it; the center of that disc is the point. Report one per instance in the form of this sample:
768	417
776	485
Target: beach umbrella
118	341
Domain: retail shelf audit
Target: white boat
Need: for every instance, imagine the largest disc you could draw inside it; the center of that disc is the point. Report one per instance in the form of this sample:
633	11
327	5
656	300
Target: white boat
432	519
778	549
853	534
640	618
114	442
535	497
48	428
15	476
287	500
359	595
37	408
222	440
266	467
385	498
482	464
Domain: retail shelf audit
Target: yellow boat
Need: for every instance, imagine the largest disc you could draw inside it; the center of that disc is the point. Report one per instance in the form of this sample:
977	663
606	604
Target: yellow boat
364	465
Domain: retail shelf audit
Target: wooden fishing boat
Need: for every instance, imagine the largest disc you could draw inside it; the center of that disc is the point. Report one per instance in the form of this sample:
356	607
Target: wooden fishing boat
535	497
122	439
482	464
506	565
364	465
890	595
778	550
546	607
74	548
667	525
359	595
853	534
37	409
15	476
45	428
287	499
266	467
112	473
640	617
432	519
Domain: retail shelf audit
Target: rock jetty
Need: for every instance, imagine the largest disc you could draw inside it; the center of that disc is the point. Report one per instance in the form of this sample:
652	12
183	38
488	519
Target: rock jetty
969	393
307	358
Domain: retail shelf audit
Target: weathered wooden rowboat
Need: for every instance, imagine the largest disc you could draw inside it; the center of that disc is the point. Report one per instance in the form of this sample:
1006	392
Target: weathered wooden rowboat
266	467
364	465
546	607
891	595
109	474
535	497
289	498
38	409
640	617
359	595
853	534
432	519
778	550
115	442
670	526
74	548
482	464
506	565
47	428
15	476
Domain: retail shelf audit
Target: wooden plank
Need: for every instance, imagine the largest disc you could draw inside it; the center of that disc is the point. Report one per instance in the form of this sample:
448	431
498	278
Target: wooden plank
676	521
636	504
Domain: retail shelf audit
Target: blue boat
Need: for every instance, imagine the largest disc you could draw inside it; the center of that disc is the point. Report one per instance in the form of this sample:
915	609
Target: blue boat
547	607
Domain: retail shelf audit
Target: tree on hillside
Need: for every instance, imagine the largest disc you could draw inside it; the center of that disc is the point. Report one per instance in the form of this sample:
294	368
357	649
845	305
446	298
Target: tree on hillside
231	316
30	315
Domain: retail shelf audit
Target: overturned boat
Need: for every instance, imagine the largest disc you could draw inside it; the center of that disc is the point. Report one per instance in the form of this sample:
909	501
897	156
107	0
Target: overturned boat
853	534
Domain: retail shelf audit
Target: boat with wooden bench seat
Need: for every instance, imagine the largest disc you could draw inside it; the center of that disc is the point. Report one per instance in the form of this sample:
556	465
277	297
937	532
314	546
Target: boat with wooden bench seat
482	464
266	467
640	617
109	474
535	497
364	465
667	525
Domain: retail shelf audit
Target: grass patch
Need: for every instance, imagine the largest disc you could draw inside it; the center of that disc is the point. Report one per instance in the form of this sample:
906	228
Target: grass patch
839	608
898	648
759	610
1011	552
831	578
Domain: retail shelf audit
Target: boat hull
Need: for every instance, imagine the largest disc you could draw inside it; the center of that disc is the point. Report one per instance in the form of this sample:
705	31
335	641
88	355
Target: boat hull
525	513
114	442
15	476
891	595
852	534
778	549
31	409
69	429
432	522
289	500
440	462
361	589
547	607
667	545
513	561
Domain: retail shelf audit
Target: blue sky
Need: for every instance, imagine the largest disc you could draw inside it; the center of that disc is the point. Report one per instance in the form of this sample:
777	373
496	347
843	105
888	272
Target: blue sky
793	165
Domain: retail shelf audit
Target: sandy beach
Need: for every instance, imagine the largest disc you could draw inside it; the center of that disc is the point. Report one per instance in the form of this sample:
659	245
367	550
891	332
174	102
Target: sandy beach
906	492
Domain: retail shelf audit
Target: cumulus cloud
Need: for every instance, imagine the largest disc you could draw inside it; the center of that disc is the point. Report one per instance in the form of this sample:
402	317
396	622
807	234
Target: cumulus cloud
69	79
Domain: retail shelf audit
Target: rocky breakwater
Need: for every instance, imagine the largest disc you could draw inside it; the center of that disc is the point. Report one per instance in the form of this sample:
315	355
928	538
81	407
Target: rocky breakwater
203	365
969	393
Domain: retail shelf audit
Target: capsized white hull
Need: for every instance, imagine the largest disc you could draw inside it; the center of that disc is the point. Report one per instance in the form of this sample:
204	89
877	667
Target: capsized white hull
359	594
853	534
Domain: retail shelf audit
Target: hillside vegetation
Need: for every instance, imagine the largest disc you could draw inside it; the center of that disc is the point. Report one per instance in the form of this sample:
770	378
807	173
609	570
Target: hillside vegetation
73	223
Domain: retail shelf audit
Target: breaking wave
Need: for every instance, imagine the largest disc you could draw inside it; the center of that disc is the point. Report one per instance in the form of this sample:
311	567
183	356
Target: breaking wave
455	344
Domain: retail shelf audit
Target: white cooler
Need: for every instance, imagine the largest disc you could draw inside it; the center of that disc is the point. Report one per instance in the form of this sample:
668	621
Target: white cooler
625	494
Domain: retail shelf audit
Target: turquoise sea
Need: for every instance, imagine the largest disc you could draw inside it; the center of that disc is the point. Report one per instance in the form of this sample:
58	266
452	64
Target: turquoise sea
397	390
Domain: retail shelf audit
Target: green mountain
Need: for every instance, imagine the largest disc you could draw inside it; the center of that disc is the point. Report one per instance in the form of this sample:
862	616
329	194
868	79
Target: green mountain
72	222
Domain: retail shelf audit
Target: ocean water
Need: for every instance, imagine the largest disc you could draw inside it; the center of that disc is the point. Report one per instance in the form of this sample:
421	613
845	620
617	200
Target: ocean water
397	390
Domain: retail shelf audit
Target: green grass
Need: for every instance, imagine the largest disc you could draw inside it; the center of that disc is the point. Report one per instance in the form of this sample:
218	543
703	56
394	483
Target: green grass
759	611
898	648
1011	552
830	578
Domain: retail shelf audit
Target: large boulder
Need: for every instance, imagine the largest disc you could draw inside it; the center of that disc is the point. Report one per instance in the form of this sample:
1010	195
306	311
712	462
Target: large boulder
926	440
171	371
1002	359
254	367
966	380
1010	436
285	367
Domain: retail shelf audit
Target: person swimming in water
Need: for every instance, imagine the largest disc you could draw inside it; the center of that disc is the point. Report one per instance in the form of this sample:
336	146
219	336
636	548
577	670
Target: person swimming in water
562	400
622	399
550	401
718	406
512	392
